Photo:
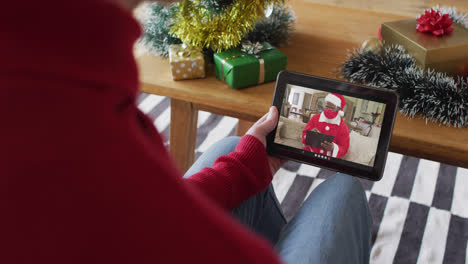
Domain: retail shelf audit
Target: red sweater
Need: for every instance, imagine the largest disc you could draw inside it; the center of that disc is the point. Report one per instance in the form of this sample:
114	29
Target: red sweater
84	175
335	127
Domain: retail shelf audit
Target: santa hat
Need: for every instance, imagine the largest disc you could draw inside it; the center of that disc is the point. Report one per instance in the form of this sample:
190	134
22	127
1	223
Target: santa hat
338	100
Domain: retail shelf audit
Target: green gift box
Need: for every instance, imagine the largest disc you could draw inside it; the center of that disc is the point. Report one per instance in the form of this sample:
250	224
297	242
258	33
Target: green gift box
252	64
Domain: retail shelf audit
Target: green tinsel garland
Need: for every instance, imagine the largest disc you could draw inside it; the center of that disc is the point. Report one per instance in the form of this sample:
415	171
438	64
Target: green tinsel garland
157	38
274	29
435	96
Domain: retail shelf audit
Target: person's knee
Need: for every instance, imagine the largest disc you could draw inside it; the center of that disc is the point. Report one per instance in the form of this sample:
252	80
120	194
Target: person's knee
219	148
350	189
228	143
353	196
348	182
354	209
231	139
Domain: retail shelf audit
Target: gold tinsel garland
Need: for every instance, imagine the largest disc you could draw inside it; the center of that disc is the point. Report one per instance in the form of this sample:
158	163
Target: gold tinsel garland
199	27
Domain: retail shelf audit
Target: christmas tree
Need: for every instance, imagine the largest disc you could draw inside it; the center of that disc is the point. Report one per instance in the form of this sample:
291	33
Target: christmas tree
217	25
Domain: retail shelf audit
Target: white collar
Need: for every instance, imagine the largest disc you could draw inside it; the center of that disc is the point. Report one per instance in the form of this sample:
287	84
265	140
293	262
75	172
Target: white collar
335	121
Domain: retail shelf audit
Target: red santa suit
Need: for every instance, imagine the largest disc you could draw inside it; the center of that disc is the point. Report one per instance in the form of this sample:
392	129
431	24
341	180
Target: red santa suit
331	126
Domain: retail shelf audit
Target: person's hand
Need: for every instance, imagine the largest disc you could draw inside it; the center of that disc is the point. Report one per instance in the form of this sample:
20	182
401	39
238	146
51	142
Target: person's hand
327	146
313	130
261	129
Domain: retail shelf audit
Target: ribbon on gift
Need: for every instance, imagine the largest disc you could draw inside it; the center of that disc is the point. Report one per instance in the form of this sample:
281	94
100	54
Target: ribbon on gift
185	51
250	49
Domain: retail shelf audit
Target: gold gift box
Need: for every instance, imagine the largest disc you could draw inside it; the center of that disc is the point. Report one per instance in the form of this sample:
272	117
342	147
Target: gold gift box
186	62
447	53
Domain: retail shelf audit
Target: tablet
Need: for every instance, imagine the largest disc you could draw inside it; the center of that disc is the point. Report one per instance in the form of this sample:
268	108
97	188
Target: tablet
332	124
316	139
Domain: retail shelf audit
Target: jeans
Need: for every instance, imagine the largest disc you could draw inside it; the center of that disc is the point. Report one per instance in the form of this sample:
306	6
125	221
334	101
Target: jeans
332	226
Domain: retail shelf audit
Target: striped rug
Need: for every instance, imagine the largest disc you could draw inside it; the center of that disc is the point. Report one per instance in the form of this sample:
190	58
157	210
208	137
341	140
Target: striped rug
419	208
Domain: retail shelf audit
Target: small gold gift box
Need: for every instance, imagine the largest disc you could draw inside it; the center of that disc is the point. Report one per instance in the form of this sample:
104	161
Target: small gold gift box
447	53
186	62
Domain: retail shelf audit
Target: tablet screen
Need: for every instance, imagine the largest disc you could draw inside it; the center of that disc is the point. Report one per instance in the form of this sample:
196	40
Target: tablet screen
329	125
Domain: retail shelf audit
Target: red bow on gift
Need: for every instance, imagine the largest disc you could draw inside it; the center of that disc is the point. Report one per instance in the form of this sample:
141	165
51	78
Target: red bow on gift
434	22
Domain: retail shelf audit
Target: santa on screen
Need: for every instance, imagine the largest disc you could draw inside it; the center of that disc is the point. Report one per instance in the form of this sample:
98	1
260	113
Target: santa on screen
330	122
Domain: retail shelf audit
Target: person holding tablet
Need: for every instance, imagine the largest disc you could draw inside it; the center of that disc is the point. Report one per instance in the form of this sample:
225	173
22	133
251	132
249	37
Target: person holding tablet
89	180
329	122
